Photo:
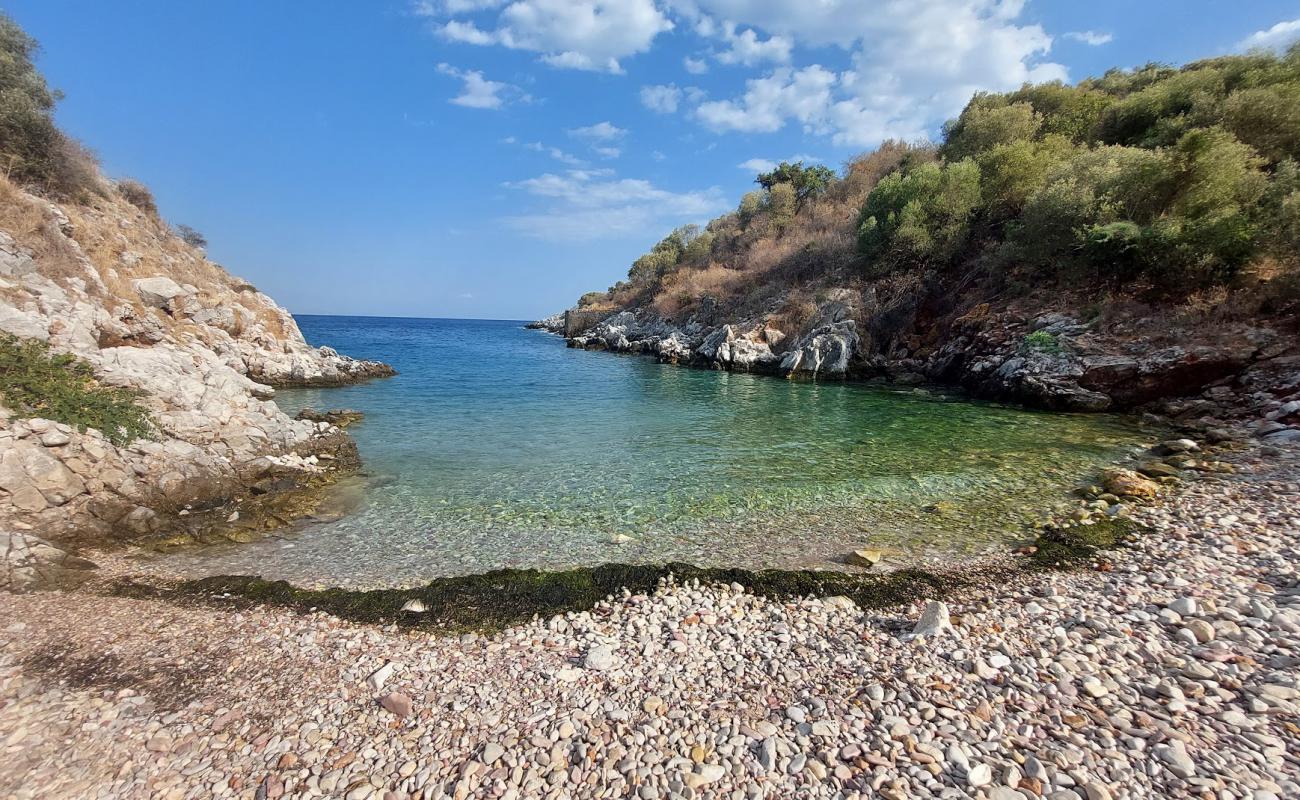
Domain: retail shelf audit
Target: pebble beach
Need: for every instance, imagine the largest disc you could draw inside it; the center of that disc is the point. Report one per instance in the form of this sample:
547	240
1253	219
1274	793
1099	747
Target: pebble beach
1171	668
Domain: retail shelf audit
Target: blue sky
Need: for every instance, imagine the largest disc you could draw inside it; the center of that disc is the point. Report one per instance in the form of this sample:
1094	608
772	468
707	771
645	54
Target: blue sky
480	158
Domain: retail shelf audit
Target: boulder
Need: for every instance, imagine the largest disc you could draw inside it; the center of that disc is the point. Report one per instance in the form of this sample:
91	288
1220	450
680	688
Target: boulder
825	351
158	291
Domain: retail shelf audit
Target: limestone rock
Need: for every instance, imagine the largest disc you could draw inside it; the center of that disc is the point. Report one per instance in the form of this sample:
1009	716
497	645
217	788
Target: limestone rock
934	620
158	291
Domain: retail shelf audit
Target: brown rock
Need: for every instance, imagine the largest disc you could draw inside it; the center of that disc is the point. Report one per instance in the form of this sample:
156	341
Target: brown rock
397	704
1127	483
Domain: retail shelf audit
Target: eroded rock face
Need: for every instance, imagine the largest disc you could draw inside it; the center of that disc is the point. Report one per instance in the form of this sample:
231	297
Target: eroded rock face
828	350
116	288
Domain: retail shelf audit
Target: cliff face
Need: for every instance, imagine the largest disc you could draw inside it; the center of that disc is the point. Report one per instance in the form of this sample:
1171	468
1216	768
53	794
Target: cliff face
113	285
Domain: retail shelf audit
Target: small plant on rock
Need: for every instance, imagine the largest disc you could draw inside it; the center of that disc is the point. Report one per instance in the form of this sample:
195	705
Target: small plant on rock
1043	342
35	382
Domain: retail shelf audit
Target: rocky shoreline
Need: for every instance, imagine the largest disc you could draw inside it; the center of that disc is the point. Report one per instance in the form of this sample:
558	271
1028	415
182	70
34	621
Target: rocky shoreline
1166	669
1043	359
112	285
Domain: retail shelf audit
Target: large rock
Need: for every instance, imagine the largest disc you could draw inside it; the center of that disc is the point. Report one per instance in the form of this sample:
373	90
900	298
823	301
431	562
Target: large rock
158	291
28	562
825	351
15	260
1127	483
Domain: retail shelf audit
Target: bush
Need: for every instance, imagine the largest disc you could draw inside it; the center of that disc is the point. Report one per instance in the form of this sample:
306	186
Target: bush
35	382
138	195
986	123
781	204
750	204
919	216
1042	342
808	183
191	237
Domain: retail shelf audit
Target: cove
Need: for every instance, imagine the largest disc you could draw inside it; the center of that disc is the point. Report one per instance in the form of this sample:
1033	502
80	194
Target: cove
498	447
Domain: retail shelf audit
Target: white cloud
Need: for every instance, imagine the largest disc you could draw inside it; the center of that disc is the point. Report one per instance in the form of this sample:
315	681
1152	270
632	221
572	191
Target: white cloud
768	102
582	205
661	99
601	132
608	152
554	152
746	48
570	34
913	64
695	66
479	92
466	32
433	8
1092	38
1278	37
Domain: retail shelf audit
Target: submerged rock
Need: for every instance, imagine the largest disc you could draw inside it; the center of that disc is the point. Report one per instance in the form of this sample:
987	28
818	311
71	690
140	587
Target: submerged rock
864	558
342	417
1127	483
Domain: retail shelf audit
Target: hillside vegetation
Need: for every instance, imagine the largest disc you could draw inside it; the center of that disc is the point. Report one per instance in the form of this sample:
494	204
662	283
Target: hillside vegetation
1161	183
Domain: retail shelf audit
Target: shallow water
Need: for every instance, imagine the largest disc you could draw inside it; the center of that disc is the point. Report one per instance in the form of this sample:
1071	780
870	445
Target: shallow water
498	446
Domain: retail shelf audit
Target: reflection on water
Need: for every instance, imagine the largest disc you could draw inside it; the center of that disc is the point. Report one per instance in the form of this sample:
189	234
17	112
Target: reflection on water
497	446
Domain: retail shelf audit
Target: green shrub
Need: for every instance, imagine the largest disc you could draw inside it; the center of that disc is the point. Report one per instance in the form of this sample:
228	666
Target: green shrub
781	204
750	204
32	149
808	183
921	215
36	382
988	122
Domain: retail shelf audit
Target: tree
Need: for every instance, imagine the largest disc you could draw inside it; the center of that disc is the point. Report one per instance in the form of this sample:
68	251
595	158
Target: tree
29	140
808	183
986	123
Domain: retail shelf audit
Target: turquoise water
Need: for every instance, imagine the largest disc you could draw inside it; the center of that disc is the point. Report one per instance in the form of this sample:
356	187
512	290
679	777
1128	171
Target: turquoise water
498	446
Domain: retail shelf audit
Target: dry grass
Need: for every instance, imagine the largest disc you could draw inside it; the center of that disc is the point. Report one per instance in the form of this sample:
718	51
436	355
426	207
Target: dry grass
30	222
122	242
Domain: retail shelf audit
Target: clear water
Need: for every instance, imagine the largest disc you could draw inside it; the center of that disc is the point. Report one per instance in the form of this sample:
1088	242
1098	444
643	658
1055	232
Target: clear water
498	446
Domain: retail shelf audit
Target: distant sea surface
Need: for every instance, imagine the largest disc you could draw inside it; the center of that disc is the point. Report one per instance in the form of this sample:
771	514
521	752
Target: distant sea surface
497	446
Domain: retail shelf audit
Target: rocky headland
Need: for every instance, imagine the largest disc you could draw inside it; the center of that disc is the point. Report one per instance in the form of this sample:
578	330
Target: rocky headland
111	284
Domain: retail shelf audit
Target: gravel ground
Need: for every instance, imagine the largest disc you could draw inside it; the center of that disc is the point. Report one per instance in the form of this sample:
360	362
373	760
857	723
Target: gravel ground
1172	671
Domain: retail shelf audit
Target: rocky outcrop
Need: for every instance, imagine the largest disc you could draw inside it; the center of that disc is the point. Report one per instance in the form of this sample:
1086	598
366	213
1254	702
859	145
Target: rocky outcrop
112	285
552	324
749	346
1051	359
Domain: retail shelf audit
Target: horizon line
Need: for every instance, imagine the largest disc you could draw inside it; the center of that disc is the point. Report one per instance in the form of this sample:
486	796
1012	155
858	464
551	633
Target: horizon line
386	316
